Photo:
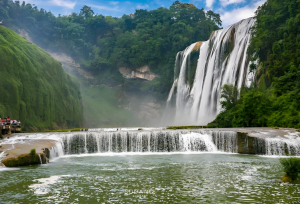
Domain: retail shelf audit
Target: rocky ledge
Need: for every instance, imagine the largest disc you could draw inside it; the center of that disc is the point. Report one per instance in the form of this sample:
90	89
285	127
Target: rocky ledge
25	152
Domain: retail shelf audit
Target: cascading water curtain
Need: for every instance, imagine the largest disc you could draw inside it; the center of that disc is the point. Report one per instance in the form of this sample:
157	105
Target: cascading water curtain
222	60
148	141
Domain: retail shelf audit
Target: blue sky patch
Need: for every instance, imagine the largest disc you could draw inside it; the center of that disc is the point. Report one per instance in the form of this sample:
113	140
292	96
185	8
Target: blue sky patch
231	11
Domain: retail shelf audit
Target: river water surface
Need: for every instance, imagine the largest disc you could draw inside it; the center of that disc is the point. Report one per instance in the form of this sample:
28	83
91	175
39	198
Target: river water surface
150	178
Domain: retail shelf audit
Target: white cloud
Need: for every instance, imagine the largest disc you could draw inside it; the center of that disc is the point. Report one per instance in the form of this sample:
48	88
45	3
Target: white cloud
228	2
140	6
209	3
235	15
114	2
64	3
106	8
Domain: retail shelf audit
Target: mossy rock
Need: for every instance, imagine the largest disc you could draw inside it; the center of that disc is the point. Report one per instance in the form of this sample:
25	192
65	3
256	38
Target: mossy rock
24	160
286	179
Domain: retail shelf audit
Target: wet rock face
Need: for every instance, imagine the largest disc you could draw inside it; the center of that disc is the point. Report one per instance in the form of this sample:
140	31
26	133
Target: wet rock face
250	145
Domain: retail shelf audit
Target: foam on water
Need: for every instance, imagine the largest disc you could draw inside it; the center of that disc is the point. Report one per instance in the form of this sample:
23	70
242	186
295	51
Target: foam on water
42	187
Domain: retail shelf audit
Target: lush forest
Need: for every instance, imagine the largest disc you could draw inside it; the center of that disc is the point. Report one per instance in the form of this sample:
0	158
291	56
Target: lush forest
34	88
273	100
102	44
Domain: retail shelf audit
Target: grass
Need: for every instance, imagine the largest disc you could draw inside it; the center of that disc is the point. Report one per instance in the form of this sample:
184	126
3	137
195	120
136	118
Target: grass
64	130
185	127
32	152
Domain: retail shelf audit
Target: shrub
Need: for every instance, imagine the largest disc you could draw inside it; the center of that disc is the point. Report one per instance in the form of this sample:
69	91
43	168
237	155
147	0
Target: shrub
32	152
291	167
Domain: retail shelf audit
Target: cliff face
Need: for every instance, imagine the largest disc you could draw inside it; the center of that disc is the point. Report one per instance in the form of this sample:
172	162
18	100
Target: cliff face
141	73
70	66
33	86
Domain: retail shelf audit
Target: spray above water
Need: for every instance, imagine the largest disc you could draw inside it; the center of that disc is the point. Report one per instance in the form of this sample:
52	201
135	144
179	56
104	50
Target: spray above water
194	98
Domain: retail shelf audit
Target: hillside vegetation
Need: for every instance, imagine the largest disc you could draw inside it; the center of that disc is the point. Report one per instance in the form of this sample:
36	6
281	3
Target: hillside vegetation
273	100
102	44
33	86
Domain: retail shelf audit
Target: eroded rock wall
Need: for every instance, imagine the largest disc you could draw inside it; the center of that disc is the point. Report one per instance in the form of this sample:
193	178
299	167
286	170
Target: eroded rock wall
141	73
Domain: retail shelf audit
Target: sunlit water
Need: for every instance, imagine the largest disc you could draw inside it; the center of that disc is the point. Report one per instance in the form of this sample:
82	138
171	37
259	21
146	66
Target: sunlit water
157	178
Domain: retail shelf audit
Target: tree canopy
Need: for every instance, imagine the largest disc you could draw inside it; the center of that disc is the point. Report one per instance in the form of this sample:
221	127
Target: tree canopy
102	44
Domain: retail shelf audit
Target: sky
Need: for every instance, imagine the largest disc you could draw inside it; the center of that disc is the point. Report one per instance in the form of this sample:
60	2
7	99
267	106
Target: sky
231	11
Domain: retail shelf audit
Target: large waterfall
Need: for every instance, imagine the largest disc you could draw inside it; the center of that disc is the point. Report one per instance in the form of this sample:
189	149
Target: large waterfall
203	68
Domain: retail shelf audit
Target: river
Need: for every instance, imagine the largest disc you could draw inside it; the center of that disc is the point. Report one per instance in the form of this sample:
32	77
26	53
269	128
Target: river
150	178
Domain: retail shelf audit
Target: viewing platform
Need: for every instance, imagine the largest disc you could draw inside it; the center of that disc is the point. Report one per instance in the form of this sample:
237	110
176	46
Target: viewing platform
8	126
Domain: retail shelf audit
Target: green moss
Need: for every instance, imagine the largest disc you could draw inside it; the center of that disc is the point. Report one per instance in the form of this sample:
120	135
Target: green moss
33	86
213	125
32	152
286	179
64	130
185	127
277	128
23	160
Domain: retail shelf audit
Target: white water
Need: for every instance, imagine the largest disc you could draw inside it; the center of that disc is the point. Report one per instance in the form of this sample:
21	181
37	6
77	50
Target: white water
281	147
156	142
57	150
40	159
148	141
198	142
222	60
42	187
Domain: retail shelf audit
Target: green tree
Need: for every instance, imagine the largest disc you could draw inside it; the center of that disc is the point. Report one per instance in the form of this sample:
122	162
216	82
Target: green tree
87	12
229	96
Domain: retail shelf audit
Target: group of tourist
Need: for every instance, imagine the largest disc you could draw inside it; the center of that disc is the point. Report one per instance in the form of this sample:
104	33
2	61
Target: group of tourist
7	121
15	122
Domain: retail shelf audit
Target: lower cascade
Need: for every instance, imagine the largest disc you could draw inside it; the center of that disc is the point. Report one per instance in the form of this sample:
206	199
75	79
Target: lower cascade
170	141
156	141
